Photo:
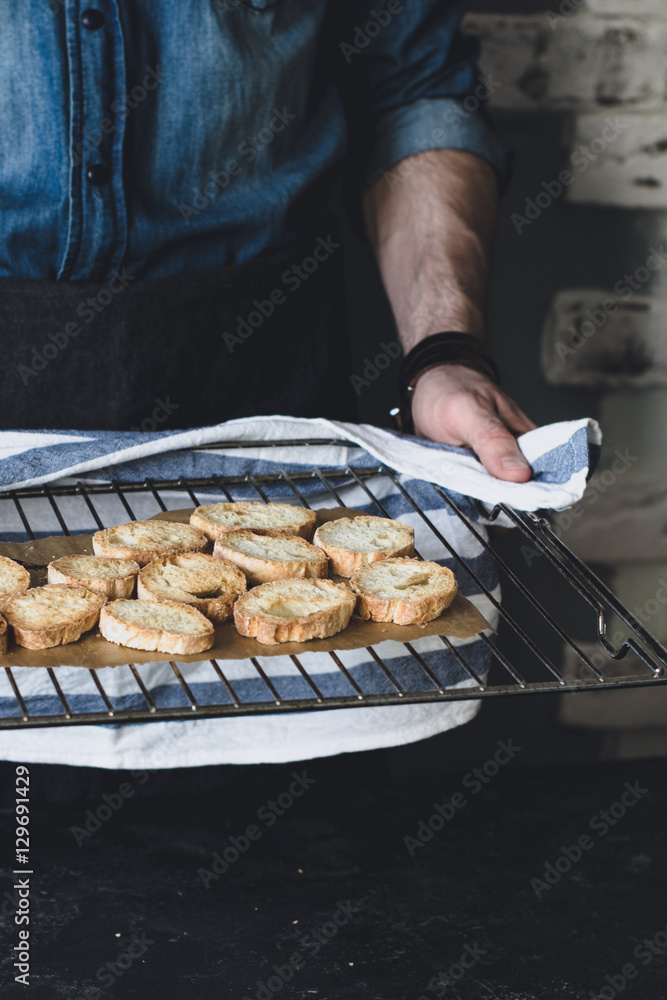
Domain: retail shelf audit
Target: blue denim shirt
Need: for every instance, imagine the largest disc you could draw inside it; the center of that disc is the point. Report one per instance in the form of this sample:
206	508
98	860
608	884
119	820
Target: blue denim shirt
169	135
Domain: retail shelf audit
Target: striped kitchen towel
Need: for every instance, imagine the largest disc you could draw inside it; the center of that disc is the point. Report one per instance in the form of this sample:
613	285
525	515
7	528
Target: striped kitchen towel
562	456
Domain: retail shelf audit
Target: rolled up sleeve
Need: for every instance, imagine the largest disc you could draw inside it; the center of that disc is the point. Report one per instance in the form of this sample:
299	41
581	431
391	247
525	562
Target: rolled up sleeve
413	84
440	123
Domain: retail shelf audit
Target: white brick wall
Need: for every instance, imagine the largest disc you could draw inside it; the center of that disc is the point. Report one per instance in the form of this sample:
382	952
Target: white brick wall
630	170
621	525
597	338
597	66
625	709
587	62
637	8
622	518
580	63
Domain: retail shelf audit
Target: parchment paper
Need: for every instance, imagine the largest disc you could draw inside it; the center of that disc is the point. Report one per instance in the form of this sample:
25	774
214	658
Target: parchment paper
461	620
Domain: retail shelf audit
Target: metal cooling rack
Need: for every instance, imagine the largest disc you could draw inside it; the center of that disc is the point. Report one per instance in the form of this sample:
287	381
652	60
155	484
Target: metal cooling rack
552	604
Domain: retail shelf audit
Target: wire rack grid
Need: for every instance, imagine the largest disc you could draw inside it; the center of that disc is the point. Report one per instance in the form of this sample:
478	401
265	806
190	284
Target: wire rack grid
531	637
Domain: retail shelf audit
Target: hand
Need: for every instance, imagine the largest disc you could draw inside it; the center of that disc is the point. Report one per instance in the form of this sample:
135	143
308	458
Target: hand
460	406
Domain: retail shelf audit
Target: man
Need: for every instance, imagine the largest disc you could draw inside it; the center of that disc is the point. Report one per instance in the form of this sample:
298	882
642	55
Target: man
167	236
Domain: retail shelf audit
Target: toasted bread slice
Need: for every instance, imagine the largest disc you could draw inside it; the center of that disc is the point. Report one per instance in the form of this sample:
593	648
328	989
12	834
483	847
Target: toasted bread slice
294	610
144	541
271	555
14	579
404	591
3	635
113	578
218	518
352	542
53	615
210	585
164	626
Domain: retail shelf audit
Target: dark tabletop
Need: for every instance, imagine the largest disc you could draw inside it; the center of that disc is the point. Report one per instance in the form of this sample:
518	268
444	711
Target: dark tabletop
328	899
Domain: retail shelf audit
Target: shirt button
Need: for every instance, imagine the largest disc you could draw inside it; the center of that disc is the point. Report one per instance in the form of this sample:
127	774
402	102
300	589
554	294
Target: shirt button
92	19
98	174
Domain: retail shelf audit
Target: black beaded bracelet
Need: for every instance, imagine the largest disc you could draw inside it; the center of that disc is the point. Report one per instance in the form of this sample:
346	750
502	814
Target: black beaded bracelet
452	348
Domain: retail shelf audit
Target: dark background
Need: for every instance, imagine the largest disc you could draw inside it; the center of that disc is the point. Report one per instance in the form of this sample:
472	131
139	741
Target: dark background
345	840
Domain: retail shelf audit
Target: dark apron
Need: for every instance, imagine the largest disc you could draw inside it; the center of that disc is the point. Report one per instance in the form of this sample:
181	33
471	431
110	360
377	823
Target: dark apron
268	336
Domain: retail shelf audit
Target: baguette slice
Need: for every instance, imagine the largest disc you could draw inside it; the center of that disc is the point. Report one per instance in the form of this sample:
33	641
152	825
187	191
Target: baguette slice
210	585
168	627
53	615
3	635
218	518
144	541
294	610
353	542
113	578
14	579
271	555
404	591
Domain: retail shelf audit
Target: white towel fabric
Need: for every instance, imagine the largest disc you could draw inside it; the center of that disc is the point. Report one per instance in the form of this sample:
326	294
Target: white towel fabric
561	456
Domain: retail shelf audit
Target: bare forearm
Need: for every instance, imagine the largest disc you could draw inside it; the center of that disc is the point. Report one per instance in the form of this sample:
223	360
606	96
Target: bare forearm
431	228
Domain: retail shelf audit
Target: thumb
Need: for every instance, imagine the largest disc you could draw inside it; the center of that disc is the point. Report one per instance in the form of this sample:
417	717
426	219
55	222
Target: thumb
499	452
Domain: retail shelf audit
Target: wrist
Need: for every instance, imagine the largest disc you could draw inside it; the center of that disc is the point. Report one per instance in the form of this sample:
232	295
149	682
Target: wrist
433	353
447	375
424	323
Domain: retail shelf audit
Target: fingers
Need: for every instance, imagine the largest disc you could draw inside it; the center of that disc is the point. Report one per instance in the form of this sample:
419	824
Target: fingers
497	449
461	407
495	444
